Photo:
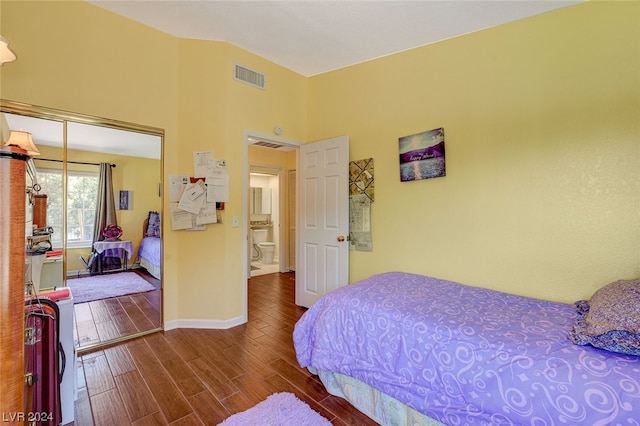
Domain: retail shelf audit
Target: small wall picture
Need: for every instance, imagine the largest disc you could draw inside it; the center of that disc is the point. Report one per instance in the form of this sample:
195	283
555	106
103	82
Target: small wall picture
422	155
125	200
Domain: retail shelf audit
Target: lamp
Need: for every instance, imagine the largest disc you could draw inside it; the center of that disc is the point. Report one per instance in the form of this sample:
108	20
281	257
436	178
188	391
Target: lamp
22	140
6	54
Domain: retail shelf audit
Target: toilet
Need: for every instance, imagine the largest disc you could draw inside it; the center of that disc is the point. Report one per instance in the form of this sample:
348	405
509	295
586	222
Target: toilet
268	249
265	248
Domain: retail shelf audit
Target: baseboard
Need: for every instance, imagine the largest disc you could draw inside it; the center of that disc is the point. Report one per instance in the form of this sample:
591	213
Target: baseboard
205	324
83	272
77	274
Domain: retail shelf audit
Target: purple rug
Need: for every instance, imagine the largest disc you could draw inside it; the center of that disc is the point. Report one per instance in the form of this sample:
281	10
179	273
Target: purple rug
105	286
279	409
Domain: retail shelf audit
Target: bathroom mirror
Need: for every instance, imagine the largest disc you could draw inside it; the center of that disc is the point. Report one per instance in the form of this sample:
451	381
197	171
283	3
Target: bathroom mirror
260	201
72	147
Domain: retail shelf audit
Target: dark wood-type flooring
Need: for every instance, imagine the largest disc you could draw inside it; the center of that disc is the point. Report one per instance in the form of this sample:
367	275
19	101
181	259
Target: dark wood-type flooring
103	320
200	377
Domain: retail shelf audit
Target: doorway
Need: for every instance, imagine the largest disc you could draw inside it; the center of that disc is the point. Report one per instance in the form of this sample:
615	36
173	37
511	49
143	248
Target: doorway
265	220
269	154
323	242
269	162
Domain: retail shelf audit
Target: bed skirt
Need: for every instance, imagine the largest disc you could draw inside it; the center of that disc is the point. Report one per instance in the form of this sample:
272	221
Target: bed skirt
377	405
152	269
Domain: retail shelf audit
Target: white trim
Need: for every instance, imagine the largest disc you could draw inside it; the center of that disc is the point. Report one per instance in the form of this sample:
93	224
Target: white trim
269	138
85	244
204	324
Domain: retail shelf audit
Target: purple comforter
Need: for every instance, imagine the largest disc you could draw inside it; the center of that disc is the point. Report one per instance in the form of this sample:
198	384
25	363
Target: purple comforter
467	355
150	250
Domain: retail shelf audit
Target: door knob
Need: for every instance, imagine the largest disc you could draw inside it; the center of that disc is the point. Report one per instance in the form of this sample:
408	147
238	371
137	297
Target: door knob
340	238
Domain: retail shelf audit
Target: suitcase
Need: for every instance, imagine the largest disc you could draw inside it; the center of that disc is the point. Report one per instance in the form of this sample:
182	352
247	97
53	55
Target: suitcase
42	363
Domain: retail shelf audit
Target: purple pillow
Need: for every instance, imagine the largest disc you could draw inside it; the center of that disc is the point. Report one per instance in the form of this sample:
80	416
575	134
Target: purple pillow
611	319
153	225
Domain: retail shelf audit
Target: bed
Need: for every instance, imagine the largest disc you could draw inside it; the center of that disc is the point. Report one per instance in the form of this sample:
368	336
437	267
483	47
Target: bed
411	349
150	249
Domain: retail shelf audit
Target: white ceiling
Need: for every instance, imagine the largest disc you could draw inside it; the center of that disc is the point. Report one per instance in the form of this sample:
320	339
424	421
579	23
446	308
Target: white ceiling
313	37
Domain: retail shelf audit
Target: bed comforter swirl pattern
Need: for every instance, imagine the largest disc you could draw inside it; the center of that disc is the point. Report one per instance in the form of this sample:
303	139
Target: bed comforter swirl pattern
150	252
467	355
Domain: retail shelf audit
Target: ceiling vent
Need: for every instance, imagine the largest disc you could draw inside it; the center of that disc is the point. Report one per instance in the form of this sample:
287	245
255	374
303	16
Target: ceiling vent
248	76
268	144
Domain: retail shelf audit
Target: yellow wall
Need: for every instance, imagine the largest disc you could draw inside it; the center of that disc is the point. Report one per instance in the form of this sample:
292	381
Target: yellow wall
213	114
542	135
78	57
541	126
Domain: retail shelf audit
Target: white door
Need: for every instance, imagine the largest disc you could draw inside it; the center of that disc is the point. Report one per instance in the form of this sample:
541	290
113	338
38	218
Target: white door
322	264
292	218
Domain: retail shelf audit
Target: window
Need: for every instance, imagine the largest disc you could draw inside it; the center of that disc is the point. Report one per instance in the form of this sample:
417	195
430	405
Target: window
82	192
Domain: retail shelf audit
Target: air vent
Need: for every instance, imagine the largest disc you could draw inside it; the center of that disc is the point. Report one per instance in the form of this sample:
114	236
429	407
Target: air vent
248	76
268	144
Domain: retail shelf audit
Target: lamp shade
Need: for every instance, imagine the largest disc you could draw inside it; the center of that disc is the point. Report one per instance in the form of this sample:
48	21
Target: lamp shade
23	140
6	55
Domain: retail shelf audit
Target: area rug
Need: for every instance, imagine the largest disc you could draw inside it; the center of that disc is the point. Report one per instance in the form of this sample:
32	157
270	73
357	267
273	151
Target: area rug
100	287
279	409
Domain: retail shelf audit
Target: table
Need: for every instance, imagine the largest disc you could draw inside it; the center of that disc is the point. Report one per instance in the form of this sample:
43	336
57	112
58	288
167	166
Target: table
123	247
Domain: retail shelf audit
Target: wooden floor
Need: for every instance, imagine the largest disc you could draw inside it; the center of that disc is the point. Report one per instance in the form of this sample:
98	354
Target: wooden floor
200	377
103	320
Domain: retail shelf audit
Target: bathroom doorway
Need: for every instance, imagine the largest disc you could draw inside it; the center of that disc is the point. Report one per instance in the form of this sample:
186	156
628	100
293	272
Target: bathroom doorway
272	155
265	220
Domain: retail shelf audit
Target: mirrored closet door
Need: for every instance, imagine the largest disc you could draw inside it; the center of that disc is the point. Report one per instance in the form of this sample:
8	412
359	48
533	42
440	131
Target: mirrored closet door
98	206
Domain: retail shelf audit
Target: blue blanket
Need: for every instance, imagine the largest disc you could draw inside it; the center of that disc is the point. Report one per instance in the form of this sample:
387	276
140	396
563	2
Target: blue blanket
467	355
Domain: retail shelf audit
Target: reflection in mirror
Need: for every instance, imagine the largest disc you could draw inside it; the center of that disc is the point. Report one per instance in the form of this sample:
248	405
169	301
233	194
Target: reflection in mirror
107	265
115	278
47	220
260	200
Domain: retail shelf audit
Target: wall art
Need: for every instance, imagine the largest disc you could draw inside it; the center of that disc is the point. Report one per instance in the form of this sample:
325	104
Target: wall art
125	200
422	155
361	178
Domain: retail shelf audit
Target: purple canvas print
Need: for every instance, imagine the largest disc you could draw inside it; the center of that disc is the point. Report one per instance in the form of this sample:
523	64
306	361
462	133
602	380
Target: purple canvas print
422	155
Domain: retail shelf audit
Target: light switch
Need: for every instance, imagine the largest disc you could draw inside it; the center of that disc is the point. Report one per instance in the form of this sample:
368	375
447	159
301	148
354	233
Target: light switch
235	222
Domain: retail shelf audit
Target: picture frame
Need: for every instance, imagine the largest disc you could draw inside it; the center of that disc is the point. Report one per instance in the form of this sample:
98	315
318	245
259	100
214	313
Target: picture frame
125	200
422	155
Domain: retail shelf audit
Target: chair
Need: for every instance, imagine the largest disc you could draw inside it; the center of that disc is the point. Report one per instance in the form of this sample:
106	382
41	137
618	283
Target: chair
88	263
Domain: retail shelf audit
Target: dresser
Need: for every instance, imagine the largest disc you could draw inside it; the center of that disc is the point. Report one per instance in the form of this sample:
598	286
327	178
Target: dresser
12	251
